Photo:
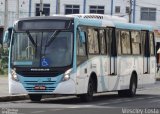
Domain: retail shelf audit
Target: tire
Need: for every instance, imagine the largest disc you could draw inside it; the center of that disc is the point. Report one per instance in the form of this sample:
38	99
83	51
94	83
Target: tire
122	93
131	92
89	95
132	88
35	97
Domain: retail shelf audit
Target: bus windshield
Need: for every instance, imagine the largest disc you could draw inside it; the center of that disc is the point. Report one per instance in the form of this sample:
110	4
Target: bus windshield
42	49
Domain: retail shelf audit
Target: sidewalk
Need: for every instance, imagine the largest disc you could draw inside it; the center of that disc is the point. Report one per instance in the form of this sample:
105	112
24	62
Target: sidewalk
4	91
4	86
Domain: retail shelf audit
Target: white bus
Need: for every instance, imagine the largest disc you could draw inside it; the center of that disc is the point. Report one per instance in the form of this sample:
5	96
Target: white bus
80	55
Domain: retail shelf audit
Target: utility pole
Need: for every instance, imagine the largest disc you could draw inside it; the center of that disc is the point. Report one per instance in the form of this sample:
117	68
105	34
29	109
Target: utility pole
6	15
84	6
41	7
17	10
30	5
134	10
58	6
130	11
111	7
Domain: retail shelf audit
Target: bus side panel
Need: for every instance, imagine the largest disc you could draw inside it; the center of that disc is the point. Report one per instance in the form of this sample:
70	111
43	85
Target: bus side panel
125	67
153	66
139	70
81	78
84	72
95	67
103	78
150	78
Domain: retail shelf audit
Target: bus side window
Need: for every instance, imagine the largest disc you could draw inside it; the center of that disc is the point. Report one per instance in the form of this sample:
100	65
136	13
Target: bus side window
143	37
151	37
81	50
102	42
136	42
109	39
125	42
118	41
93	43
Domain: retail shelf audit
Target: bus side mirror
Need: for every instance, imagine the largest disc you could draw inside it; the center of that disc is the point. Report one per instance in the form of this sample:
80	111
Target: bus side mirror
7	37
5	41
82	37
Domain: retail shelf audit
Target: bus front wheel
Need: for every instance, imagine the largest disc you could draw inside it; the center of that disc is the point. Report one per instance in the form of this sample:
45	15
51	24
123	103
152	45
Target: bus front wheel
35	97
89	95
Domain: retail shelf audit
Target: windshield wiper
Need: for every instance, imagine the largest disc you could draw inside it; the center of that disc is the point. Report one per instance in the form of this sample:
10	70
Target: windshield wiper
31	38
53	36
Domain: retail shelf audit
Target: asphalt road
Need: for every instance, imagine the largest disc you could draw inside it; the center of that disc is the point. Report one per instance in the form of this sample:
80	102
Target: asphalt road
147	101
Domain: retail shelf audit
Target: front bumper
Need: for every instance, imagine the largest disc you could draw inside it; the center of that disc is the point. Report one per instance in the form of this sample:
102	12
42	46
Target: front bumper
54	85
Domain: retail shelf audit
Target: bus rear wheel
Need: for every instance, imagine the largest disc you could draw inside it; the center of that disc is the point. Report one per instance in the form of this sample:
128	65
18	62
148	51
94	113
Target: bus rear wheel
131	92
35	97
89	95
132	88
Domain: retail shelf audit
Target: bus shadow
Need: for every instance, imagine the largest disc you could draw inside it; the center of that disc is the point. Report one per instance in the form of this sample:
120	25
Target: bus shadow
101	100
77	100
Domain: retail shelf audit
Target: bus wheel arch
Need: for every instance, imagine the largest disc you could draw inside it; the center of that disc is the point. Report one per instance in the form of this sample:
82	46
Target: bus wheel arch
93	77
91	88
131	92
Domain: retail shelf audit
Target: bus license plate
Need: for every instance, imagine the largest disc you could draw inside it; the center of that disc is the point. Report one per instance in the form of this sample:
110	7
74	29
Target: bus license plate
40	87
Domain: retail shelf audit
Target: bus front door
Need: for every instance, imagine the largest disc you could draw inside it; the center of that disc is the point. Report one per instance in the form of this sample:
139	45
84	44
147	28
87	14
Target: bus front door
112	78
146	53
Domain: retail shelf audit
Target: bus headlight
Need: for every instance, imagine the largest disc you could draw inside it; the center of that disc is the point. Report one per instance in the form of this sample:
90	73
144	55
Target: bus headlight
67	75
14	75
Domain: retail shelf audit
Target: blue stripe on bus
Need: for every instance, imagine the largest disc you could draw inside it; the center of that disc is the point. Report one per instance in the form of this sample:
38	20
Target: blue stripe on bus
132	26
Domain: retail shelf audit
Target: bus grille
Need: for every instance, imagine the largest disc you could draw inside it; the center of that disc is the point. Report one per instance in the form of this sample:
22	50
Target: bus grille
49	86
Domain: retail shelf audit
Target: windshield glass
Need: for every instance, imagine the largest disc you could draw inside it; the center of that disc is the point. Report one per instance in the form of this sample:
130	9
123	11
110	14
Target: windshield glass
42	49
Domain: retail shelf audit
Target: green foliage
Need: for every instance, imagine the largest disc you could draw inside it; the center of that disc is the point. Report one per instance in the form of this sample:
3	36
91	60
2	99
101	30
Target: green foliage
3	60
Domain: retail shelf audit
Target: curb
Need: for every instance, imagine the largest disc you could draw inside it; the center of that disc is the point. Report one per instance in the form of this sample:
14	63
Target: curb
13	98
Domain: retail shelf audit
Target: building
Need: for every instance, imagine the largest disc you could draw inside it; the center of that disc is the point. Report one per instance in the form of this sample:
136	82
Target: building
143	11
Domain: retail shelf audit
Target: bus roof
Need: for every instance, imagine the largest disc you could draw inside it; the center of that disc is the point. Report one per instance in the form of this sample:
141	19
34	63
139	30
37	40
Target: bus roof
99	20
100	17
109	21
47	17
95	22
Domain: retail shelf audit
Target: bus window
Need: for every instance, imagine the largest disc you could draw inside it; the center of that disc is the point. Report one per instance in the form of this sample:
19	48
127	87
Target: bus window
145	43
109	38
93	41
151	44
125	42
81	50
118	41
102	41
136	42
7	36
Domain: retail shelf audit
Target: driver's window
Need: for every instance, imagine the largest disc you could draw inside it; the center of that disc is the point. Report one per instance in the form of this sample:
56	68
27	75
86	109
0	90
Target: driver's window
81	50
